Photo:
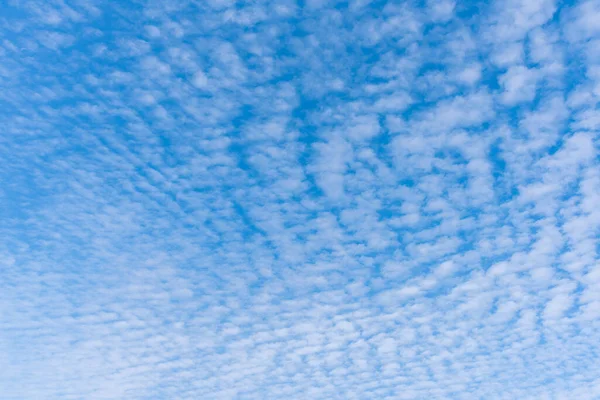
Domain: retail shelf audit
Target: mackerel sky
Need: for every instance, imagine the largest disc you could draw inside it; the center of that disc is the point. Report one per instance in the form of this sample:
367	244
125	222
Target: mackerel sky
299	199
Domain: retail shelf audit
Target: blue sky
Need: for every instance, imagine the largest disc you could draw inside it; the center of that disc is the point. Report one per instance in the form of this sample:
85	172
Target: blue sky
299	199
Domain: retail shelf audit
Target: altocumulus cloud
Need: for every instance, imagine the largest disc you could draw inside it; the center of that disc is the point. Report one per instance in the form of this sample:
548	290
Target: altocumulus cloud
299	199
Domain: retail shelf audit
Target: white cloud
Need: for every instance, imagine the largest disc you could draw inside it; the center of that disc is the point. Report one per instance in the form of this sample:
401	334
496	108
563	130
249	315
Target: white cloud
442	10
519	84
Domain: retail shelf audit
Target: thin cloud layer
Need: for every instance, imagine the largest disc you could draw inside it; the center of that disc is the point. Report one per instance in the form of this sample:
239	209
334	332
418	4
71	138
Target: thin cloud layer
299	199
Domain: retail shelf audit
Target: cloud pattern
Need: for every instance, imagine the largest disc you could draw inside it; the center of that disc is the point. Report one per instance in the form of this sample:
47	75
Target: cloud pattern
299	199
